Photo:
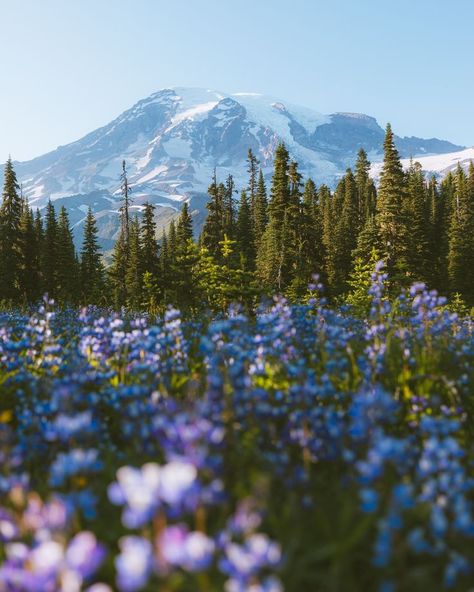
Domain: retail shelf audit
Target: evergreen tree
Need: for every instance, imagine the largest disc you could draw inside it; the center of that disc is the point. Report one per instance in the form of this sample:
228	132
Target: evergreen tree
66	271
213	228
280	190
419	235
253	172
392	211
312	256
150	259
272	264
134	275
228	222
184	229
92	269
360	280
269	262
10	235
29	257
164	265
368	241
185	288
121	254
118	270
49	257
366	192
259	211
245	237
125	207
461	243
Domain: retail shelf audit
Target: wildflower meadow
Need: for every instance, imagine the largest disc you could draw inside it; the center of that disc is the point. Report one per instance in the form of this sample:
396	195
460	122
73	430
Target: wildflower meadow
305	448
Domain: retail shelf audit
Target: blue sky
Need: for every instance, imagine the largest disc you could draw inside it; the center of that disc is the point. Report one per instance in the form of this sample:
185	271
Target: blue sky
69	66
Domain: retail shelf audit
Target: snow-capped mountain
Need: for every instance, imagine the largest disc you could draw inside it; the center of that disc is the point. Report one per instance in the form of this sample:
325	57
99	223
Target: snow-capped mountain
436	164
173	140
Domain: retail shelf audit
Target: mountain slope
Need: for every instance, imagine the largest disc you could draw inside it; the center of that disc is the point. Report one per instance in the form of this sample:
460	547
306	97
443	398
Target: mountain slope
436	164
173	140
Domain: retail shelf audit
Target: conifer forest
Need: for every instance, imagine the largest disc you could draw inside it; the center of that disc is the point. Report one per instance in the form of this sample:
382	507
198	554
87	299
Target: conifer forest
276	398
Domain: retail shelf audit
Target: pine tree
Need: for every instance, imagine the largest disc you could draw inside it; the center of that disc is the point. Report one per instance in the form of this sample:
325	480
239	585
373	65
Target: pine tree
280	190
10	235
164	265
359	283
66	271
121	254
49	258
368	241
184	228
29	256
366	192
442	211
461	242
419	235
253	172
187	294
269	262
392	211
312	254
92	269
118	270
213	228
125	207
345	233
260	213
245	237
272	262
150	258
39	237
228	222
134	275
292	239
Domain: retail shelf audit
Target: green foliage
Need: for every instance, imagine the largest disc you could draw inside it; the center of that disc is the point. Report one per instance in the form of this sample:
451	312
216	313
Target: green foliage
422	230
359	283
92	269
10	236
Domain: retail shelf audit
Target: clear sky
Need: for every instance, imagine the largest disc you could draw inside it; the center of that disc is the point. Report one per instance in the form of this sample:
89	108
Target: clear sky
70	66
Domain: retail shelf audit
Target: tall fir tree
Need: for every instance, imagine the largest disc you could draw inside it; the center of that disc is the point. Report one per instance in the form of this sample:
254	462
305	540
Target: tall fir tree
10	235
260	210
213	228
29	257
126	201
150	249
245	240
229	218
134	274
117	271
461	243
184	228
67	271
419	254
49	256
366	192
121	253
92	269
392	212
253	172
271	258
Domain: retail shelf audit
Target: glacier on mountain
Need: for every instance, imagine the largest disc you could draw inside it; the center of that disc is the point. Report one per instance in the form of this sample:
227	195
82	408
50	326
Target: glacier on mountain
173	140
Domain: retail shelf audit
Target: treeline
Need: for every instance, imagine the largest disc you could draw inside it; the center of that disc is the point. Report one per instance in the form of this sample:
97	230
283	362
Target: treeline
37	254
263	241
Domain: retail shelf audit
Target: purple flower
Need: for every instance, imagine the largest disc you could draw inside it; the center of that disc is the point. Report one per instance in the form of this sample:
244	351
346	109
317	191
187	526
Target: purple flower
134	563
84	554
192	551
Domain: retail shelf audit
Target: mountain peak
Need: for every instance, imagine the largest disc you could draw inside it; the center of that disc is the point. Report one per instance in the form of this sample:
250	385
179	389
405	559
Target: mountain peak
174	139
